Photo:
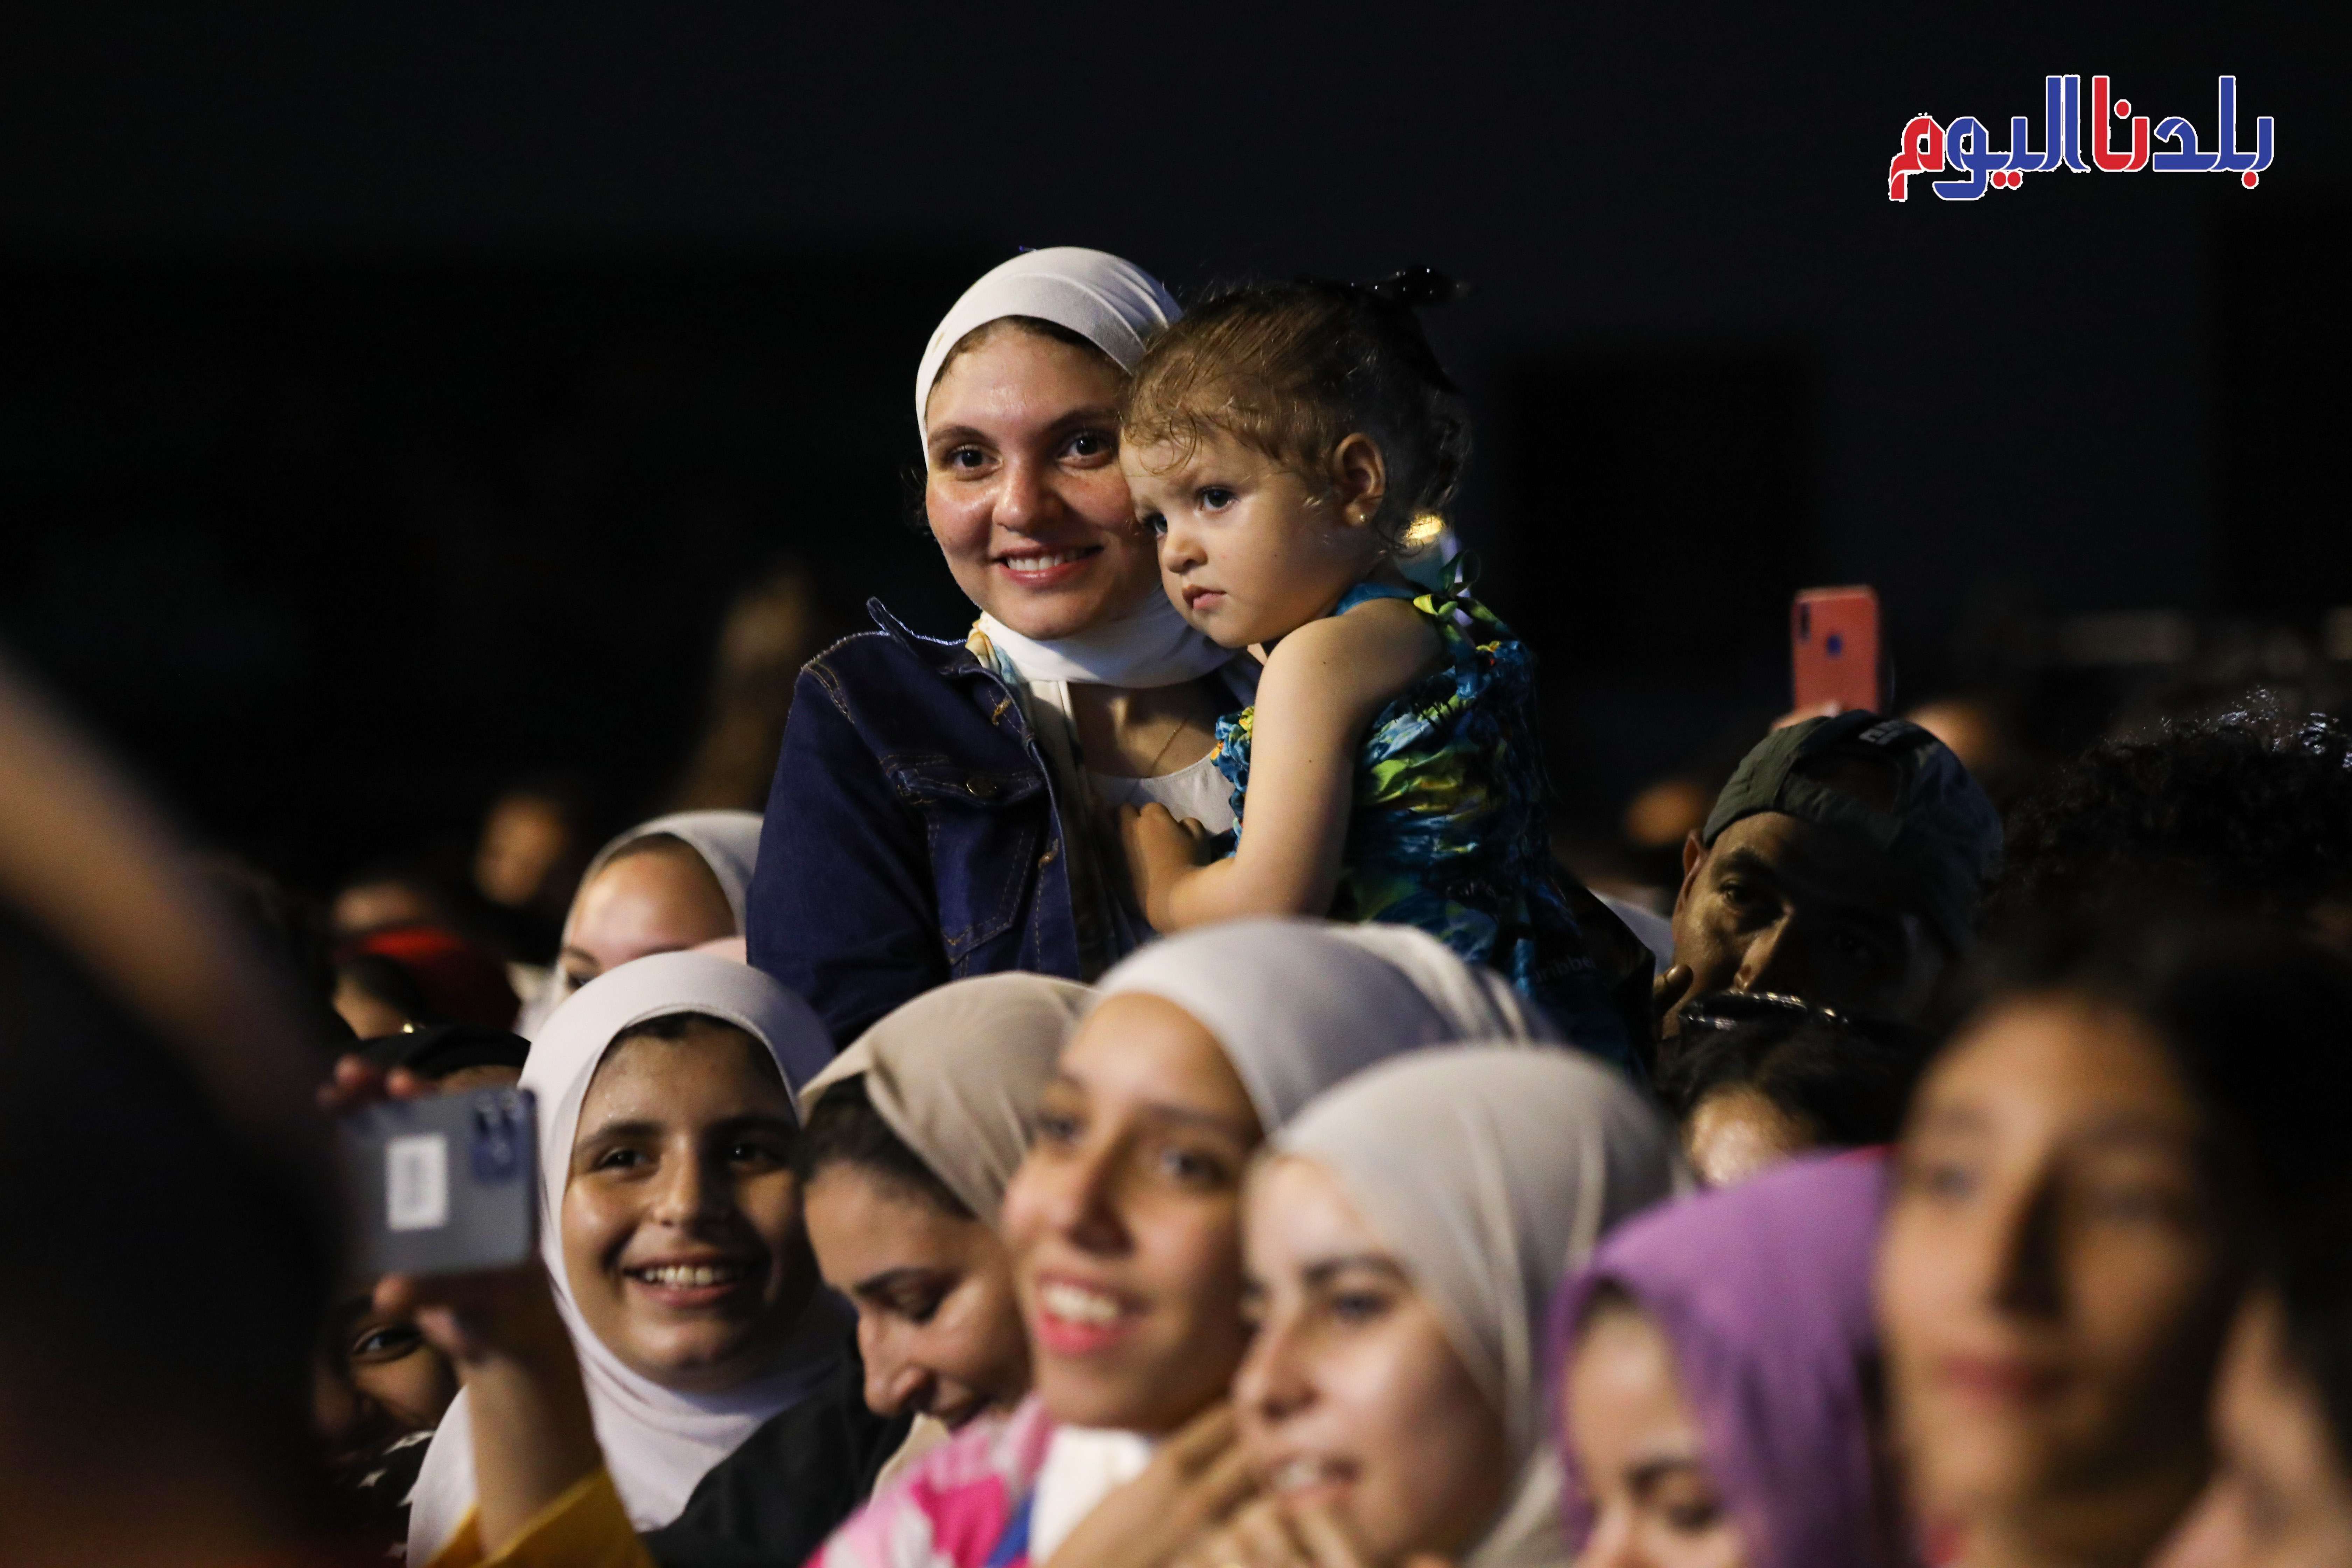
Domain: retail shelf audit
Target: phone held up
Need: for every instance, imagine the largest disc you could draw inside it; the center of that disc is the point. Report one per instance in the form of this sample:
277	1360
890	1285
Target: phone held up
444	1186
1835	650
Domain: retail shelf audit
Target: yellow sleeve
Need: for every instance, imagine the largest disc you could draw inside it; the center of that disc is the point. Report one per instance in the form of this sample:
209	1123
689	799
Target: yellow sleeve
585	1528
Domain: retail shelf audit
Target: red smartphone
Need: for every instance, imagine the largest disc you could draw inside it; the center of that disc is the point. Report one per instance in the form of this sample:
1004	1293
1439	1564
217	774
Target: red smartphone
1834	649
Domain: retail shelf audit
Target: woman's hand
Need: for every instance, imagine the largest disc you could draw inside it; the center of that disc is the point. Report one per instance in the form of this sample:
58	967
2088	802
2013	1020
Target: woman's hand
1161	854
1192	1485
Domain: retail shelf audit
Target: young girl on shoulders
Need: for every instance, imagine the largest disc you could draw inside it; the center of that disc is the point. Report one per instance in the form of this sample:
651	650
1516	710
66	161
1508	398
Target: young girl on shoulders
1293	446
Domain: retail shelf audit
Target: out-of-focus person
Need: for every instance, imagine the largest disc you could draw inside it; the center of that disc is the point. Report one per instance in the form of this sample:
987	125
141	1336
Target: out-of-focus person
1715	1371
381	1386
1842	865
2252	810
1756	1079
2280	1495
527	860
664	886
288	928
389	893
2079	1205
166	1283
408	977
776	625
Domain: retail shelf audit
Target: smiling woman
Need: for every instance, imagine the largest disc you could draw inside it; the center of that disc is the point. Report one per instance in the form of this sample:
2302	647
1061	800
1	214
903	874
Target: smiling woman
1124	1226
937	806
670	1226
1392	1393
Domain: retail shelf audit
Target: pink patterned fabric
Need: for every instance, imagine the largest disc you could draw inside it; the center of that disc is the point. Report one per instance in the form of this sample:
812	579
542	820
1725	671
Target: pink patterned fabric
951	1508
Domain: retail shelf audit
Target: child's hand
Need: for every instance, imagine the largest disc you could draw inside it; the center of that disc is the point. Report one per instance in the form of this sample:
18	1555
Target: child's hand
1161	853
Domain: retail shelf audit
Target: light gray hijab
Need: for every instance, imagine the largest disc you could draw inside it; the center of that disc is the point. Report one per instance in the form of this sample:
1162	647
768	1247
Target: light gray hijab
1491	1172
1300	1005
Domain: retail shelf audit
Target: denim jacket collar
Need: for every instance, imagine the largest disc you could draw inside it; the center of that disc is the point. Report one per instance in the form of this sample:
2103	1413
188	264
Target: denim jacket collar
952	661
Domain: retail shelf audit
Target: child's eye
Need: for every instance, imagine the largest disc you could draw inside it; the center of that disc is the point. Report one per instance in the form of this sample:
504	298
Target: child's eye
1156	524
1216	498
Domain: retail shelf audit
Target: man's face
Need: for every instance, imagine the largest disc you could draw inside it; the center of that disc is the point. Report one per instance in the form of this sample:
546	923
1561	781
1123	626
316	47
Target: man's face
1778	904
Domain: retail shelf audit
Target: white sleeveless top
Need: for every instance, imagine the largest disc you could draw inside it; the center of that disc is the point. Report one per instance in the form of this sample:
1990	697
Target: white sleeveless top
1198	791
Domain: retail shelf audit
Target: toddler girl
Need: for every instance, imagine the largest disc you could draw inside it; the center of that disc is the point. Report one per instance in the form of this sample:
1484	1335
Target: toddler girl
1293	445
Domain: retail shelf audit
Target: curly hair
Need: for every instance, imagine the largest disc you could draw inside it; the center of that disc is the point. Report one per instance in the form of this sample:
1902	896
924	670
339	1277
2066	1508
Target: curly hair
1290	370
2252	810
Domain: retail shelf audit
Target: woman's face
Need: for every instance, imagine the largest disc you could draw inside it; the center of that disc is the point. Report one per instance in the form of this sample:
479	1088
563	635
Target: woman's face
1351	1395
380	1378
1124	1221
1652	1502
681	1220
2052	1284
937	1321
2280	1496
1024	492
658	900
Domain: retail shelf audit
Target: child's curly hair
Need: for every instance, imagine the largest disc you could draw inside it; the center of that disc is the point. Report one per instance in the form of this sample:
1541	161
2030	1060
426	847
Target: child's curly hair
1293	369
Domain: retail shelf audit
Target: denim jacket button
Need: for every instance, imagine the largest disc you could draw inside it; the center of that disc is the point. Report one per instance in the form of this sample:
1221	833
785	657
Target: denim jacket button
979	786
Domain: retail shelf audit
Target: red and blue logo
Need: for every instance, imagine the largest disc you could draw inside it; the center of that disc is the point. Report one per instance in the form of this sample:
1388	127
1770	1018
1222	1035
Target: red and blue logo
1965	146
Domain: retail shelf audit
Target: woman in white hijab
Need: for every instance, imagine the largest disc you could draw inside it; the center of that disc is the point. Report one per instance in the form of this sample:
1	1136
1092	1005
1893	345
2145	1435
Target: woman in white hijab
938	807
676	882
1391	1402
669	1229
1124	1226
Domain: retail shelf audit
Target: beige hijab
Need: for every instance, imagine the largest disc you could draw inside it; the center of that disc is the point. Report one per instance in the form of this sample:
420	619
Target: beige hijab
1519	1162
956	1073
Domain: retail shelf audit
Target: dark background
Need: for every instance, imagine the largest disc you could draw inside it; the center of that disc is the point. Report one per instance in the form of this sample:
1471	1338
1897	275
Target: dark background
392	397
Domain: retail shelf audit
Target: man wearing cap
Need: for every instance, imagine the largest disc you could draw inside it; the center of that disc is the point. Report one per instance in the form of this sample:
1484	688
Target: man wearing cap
1843	863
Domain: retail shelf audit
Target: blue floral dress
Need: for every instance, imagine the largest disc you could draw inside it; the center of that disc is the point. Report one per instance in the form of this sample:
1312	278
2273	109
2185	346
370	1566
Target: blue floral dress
1448	832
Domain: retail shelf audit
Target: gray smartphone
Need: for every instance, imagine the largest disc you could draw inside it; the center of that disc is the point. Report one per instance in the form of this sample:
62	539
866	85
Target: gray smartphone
444	1186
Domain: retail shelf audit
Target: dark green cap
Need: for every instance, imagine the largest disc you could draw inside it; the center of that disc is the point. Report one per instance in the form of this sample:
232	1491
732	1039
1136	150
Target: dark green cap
1943	837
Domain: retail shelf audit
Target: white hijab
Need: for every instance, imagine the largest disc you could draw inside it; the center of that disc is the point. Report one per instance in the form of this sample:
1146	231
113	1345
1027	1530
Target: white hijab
657	1441
1491	1173
1300	1005
729	843
1116	306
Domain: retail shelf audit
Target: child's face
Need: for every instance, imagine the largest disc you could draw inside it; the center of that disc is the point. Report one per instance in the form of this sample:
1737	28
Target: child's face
1249	550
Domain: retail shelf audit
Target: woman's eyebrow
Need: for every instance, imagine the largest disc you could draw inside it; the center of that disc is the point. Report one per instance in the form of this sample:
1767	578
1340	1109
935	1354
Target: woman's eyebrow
631	1127
1323	1270
1184	1115
1648	1473
752	1121
889	1280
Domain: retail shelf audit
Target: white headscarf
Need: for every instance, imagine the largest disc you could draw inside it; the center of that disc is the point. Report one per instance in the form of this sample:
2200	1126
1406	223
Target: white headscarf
1300	1005
729	843
1116	306
1519	1162
956	1074
657	1441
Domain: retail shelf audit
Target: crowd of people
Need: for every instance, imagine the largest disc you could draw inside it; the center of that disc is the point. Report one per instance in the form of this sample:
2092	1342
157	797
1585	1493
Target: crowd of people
1145	1093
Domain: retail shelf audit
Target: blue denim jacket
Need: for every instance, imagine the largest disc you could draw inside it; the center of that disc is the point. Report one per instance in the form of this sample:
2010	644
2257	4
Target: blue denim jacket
912	833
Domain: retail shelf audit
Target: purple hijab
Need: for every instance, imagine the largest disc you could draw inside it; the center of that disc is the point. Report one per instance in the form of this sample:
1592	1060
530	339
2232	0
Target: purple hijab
1763	1290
